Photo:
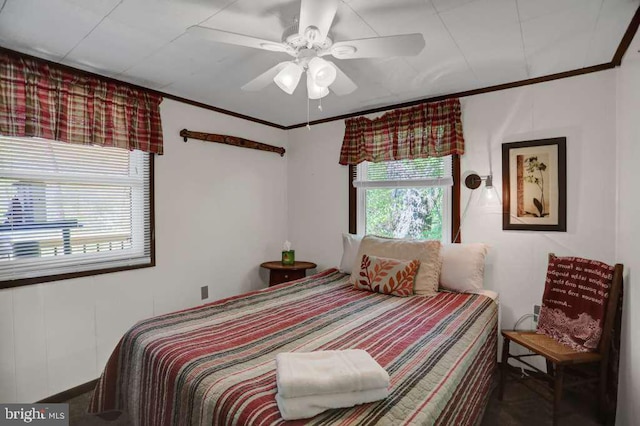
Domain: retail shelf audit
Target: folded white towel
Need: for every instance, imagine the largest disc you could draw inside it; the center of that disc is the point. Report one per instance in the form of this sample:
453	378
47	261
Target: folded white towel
328	372
308	406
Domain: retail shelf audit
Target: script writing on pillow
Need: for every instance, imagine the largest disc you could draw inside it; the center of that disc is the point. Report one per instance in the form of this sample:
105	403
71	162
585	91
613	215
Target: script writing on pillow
574	301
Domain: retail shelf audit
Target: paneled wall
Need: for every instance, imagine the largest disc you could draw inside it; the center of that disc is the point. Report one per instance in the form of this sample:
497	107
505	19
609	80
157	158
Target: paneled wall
581	108
220	212
628	242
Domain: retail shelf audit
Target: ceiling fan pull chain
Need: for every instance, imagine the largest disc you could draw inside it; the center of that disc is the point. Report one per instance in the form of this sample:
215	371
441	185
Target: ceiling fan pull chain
320	104
308	125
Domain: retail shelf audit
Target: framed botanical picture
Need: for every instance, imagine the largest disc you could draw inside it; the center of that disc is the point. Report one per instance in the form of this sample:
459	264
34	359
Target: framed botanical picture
534	185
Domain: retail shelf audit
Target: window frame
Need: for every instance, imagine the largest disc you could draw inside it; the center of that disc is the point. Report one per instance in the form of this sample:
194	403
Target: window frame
354	200
69	275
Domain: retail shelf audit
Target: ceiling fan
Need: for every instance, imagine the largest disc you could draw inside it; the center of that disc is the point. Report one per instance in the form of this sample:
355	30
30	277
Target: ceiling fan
308	42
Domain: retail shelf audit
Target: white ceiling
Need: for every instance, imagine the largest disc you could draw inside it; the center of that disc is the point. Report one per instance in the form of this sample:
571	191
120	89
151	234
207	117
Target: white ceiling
470	44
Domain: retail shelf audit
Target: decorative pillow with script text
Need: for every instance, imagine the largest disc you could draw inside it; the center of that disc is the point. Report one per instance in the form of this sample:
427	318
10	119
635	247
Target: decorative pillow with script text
388	276
574	301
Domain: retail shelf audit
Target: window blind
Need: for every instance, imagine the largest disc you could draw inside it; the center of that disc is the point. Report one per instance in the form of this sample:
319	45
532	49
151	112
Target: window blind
67	208
433	171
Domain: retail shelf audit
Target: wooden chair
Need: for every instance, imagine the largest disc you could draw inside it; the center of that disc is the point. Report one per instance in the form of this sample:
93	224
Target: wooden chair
560	357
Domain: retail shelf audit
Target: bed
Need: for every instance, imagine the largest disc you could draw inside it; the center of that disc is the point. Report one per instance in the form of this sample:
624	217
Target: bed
215	364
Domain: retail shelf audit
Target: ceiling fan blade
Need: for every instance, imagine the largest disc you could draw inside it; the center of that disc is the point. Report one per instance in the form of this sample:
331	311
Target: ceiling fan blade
319	14
379	47
264	79
236	39
342	85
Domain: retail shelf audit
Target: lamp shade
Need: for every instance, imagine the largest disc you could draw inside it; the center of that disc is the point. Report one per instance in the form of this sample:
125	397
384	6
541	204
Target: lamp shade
489	197
289	77
322	72
313	90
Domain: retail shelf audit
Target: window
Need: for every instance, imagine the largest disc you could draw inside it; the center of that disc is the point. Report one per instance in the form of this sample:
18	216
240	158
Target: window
406	198
69	210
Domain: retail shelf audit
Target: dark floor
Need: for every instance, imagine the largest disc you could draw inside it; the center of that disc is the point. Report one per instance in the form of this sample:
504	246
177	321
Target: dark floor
521	407
524	407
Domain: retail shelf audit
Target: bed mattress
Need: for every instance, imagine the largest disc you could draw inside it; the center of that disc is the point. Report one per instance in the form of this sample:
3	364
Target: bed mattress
215	364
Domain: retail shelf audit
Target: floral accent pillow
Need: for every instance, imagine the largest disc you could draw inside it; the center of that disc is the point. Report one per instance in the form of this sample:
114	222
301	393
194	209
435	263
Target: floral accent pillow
387	276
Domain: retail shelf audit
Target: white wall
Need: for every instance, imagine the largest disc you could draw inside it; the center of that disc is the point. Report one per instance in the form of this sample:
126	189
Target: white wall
628	241
220	212
318	193
581	108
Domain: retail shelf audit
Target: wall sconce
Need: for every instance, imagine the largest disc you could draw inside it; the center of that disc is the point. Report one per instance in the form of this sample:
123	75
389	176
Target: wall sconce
489	195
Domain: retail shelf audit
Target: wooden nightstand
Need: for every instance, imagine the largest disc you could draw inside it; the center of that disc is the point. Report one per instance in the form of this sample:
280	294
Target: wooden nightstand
280	273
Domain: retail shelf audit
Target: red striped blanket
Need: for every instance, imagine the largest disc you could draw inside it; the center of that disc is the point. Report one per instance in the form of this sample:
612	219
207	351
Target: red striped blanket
215	364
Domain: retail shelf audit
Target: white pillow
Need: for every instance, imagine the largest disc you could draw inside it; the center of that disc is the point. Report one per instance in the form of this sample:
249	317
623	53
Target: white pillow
350	246
462	266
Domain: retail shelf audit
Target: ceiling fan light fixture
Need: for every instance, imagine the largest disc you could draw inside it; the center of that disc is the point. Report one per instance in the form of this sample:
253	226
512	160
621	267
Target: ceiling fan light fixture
289	77
322	72
313	90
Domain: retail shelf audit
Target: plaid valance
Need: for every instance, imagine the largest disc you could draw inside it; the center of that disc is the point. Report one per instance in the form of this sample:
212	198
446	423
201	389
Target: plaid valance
426	130
41	100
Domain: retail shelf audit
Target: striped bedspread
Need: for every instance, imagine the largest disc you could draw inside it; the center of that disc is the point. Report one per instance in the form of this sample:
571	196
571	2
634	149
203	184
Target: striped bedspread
215	364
